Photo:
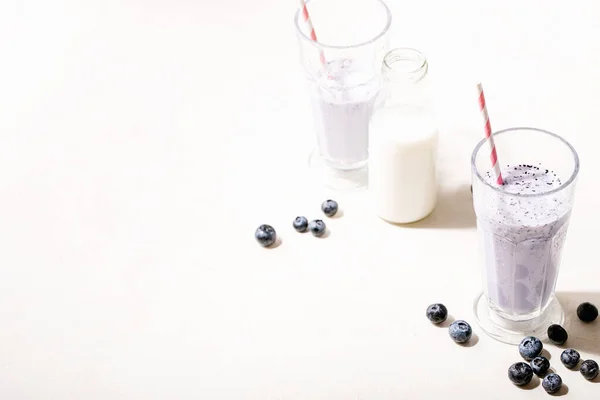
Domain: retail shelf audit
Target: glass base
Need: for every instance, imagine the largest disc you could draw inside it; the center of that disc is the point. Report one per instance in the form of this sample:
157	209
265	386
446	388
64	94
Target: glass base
337	179
512	332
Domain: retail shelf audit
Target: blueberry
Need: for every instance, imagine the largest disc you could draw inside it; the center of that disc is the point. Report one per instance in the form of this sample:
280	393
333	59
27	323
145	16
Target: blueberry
589	369
437	313
540	365
570	358
552	383
587	312
557	334
530	347
520	373
460	331
329	207
265	235
317	227
301	224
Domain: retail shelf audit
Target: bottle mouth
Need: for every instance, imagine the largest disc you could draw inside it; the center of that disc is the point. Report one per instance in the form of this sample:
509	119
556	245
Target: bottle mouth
406	61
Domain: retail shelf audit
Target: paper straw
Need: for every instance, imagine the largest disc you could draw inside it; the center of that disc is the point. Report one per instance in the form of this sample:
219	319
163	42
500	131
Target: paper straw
489	136
311	30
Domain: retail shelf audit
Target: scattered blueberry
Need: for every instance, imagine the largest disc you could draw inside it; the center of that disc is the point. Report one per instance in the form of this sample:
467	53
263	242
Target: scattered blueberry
317	227
557	334
460	331
301	224
530	347
570	358
520	373
329	207
587	312
540	365
552	383
589	369
437	313
265	235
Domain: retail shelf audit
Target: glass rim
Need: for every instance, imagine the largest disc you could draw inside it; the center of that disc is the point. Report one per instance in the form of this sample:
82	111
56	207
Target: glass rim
521	195
319	44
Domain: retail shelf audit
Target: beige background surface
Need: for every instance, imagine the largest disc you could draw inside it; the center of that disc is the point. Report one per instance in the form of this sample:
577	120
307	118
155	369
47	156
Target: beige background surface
142	142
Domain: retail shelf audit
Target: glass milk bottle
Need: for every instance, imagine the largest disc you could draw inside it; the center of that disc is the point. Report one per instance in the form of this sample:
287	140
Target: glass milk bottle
403	141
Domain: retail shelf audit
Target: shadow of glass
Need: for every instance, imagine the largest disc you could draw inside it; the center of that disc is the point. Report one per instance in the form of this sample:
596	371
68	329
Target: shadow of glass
454	209
583	336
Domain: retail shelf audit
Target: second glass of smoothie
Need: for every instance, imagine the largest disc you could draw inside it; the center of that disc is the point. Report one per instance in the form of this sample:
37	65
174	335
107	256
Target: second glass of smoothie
343	67
522	227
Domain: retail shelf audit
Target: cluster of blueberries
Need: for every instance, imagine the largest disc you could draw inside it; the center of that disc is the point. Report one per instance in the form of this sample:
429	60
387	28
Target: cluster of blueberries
530	348
460	331
265	234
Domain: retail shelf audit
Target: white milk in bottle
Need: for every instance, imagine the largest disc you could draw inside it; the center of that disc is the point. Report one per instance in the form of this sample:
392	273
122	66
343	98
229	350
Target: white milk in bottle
403	142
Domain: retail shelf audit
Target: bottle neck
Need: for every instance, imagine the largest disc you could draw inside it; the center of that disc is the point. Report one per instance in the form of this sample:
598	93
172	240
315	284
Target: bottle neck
405	75
405	65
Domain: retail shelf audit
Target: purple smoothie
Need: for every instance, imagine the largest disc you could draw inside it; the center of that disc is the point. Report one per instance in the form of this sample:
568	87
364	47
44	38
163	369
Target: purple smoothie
342	103
523	238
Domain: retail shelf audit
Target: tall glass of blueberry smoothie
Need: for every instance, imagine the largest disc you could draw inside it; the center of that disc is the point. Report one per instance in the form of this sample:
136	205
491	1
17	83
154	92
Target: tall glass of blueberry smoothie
522	226
342	45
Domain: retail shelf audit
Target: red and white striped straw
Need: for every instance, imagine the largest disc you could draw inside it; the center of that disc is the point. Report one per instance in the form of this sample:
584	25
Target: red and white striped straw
311	30
489	136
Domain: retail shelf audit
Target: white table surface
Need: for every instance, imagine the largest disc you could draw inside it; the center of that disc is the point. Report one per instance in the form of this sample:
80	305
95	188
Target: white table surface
143	141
